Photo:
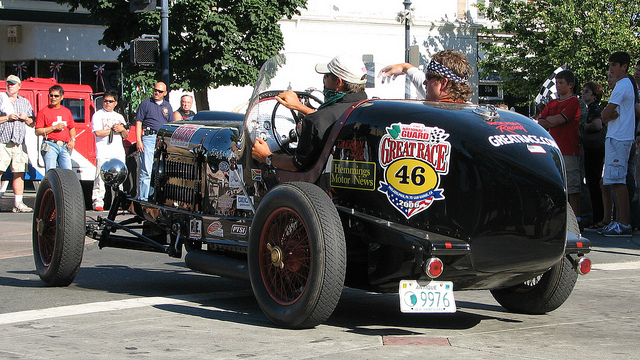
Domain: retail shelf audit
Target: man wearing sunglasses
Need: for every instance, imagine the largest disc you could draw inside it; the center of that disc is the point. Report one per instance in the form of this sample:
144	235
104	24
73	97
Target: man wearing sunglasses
109	129
55	123
446	77
152	114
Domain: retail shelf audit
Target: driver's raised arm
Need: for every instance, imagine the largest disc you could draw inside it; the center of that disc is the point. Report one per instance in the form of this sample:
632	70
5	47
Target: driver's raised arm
291	101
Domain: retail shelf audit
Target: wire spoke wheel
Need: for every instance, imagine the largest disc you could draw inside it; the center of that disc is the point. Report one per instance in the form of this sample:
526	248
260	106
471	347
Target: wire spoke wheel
297	256
285	259
47	226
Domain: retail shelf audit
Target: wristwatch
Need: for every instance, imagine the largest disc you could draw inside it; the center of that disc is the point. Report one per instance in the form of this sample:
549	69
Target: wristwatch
268	160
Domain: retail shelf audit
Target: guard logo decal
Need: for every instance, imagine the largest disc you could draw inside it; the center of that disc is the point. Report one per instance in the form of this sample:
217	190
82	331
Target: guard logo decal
413	158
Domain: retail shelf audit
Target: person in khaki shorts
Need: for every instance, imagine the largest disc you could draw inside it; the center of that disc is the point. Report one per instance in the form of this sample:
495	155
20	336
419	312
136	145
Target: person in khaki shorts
16	114
561	117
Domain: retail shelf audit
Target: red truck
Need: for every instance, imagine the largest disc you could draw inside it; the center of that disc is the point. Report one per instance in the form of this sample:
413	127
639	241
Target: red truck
83	103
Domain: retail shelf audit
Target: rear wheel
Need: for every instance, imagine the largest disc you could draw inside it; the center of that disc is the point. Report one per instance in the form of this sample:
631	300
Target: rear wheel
58	228
546	292
297	256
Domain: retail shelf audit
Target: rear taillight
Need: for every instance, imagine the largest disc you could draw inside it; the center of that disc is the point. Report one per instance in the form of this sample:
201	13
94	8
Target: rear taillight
433	267
583	265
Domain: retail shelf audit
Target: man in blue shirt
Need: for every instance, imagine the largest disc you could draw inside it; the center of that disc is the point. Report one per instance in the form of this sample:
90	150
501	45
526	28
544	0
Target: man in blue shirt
152	114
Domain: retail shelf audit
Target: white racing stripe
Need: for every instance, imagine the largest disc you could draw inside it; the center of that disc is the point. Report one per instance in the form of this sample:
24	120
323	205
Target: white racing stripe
70	310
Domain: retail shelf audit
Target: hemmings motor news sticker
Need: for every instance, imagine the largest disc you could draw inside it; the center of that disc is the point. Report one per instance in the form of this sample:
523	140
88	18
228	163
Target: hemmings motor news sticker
413	157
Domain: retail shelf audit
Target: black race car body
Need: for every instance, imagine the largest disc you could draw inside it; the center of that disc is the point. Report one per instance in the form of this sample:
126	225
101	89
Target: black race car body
404	190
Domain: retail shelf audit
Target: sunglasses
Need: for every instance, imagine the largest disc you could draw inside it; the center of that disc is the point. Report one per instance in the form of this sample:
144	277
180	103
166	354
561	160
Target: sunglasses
158	90
54	96
108	101
433	76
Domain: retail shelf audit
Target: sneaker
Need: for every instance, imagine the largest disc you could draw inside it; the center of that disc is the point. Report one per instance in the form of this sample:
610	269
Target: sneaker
605	228
618	230
98	208
21	208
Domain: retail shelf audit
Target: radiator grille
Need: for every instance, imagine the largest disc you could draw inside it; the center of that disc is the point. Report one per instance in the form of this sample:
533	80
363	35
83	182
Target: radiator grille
183	186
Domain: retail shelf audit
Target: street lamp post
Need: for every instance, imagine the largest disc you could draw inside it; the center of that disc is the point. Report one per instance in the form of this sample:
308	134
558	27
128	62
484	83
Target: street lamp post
407	44
164	42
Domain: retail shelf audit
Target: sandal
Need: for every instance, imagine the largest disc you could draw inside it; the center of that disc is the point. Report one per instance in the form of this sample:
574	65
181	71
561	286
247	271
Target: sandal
599	225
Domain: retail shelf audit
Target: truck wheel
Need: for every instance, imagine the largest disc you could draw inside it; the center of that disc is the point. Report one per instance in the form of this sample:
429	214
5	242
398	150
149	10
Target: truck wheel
297	256
58	228
546	292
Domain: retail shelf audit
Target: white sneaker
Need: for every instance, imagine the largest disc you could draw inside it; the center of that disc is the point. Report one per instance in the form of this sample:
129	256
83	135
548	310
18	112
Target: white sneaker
21	208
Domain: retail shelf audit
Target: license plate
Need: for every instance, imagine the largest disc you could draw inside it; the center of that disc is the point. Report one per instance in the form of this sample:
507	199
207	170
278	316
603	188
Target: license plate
426	297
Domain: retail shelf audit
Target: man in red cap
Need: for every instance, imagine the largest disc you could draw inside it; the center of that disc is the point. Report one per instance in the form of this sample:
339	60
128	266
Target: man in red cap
344	83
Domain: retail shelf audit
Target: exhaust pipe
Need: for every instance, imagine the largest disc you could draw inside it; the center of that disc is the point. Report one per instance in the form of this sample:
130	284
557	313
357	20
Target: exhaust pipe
213	264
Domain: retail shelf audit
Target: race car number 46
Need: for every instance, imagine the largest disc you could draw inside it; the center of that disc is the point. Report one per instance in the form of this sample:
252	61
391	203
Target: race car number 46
426	297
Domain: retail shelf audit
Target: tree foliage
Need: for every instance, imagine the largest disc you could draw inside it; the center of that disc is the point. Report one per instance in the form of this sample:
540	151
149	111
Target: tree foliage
533	38
212	43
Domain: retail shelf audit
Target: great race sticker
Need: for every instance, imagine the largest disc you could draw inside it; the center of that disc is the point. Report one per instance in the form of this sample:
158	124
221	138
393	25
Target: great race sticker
413	157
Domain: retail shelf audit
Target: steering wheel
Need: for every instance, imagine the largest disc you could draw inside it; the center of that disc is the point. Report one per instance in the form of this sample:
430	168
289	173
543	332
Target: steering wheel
285	140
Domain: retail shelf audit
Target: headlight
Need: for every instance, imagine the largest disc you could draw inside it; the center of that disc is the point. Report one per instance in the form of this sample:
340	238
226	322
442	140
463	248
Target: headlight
113	172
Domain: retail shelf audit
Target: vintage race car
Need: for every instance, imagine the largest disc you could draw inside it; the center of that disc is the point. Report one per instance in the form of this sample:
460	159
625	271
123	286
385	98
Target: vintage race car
415	197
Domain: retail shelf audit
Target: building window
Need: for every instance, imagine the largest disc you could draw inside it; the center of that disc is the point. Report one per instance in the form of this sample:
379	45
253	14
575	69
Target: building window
462	9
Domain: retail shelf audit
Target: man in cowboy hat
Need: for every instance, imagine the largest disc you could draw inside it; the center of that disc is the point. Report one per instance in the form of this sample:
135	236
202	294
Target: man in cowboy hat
344	80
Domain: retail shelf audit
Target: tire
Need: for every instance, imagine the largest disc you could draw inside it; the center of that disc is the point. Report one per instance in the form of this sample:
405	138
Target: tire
58	228
546	292
572	222
297	256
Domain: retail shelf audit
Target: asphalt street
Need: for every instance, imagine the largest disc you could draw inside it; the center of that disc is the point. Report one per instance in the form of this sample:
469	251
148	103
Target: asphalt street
128	304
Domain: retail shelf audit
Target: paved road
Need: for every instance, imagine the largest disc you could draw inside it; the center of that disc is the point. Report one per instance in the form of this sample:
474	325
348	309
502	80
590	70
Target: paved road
128	304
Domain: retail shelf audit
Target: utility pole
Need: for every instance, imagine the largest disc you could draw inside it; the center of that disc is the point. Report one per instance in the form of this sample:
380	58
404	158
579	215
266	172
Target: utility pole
164	42
407	44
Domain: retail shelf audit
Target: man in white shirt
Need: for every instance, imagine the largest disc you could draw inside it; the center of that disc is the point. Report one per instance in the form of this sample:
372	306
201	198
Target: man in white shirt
16	114
619	115
109	130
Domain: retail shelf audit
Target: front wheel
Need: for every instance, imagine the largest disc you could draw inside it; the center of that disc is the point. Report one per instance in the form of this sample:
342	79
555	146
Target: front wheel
58	228
297	255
